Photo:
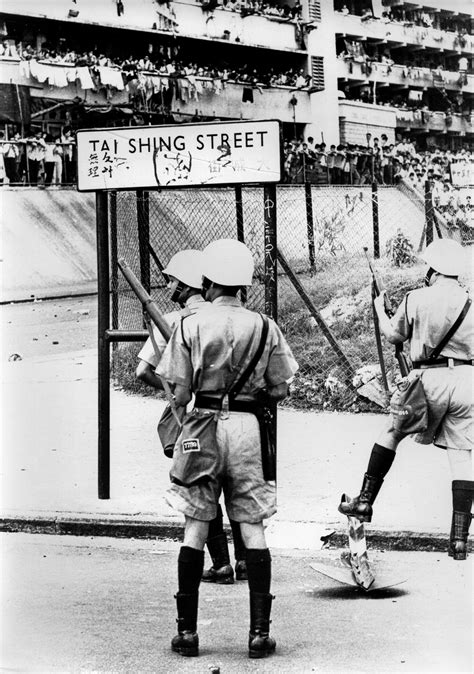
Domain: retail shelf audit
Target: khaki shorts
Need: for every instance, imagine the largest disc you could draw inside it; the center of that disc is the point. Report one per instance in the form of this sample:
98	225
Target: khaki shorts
449	393
239	475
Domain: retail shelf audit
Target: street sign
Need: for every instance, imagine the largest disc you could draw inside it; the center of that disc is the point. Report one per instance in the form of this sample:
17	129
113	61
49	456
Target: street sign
182	155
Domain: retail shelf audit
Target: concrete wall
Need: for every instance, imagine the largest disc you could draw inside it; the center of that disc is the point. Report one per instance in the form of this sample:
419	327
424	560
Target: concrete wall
48	243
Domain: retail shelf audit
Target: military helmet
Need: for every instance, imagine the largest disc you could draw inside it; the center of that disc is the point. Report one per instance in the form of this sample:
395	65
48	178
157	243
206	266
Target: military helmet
186	266
445	256
228	262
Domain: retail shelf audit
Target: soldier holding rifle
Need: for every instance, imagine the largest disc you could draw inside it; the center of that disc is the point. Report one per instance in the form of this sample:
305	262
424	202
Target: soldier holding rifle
438	315
184	275
235	361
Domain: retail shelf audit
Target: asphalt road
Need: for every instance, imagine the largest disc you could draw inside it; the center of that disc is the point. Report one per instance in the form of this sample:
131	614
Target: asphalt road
106	605
48	327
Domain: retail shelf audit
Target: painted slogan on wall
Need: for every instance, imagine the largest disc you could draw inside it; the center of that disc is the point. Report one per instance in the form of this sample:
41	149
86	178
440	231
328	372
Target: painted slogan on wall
178	156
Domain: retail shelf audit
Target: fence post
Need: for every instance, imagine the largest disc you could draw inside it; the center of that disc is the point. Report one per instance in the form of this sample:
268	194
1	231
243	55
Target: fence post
113	261
103	318
239	215
375	220
270	242
428	212
309	223
143	222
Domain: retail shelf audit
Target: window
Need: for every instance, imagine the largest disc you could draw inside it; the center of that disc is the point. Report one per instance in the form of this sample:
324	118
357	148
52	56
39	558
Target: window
314	10
317	72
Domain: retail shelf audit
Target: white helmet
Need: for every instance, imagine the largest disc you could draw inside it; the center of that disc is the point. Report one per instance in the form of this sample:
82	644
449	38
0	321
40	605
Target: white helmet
445	256
186	266
228	262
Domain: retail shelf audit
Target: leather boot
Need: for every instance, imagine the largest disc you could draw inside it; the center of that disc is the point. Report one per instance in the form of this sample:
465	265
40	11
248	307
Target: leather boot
260	643
241	570
459	532
361	506
221	571
186	642
239	551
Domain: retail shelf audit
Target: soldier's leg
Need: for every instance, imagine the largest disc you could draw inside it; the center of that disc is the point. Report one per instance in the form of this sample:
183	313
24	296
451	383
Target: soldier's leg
259	570
380	462
221	571
239	551
190	566
460	462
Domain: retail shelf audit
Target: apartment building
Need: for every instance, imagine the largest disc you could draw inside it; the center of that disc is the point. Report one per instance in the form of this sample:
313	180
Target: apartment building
332	69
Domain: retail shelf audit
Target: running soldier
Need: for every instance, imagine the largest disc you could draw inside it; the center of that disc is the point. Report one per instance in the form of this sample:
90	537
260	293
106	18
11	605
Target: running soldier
184	275
423	318
205	355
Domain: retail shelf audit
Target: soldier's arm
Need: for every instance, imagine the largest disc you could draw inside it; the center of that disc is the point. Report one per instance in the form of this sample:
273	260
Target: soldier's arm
146	373
396	329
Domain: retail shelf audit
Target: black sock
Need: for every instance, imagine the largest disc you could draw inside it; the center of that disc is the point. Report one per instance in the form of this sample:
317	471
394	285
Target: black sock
190	567
239	546
215	525
259	569
380	461
462	495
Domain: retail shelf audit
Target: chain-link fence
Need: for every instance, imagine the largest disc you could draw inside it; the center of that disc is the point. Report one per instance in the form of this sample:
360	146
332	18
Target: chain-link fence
324	281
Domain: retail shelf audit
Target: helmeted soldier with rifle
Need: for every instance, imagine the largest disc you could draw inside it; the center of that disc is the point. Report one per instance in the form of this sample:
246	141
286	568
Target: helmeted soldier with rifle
437	322
184	275
236	362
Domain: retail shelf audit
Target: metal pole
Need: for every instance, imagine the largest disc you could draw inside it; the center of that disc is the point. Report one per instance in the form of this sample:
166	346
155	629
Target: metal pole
271	289
375	220
239	214
428	212
309	223
113	260
270	242
103	345
143	221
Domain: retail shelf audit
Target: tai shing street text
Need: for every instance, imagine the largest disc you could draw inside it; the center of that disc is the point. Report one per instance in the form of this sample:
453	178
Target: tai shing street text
203	141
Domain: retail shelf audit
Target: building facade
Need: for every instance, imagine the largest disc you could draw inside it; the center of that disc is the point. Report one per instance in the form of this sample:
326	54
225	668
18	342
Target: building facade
334	70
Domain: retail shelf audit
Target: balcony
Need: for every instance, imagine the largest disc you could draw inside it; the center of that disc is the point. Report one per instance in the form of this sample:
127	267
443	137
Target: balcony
402	76
434	121
199	95
186	19
390	32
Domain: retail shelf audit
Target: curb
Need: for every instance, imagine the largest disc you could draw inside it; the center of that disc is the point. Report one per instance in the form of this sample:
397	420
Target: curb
146	529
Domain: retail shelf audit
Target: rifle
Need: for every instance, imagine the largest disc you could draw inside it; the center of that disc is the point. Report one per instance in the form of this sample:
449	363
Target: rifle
402	360
149	305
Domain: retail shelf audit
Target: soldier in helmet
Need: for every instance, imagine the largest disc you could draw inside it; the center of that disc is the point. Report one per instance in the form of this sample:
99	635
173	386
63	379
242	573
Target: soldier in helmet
423	318
184	274
204	356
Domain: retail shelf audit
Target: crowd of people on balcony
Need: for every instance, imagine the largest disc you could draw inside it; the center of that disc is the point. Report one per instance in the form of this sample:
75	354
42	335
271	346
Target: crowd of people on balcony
165	63
269	8
420	17
370	59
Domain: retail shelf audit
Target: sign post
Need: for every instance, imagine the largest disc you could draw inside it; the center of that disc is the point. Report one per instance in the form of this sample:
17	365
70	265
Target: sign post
157	157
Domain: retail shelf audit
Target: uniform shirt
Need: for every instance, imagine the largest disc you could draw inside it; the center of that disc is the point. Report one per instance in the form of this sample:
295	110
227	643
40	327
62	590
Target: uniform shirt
147	353
426	315
206	354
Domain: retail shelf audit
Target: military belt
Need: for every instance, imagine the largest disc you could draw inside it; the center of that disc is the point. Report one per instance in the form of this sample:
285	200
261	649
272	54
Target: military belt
210	403
440	362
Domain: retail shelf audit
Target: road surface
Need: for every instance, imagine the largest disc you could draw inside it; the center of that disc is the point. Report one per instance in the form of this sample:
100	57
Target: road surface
106	605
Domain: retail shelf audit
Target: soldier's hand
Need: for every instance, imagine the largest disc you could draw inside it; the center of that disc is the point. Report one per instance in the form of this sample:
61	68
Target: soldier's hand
380	303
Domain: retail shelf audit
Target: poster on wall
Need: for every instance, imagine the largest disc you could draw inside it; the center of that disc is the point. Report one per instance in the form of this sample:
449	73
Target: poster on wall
182	155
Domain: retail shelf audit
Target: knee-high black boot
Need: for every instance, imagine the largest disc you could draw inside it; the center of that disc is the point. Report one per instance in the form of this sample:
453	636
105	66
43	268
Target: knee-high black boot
261	644
463	491
239	551
361	506
186	642
221	571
